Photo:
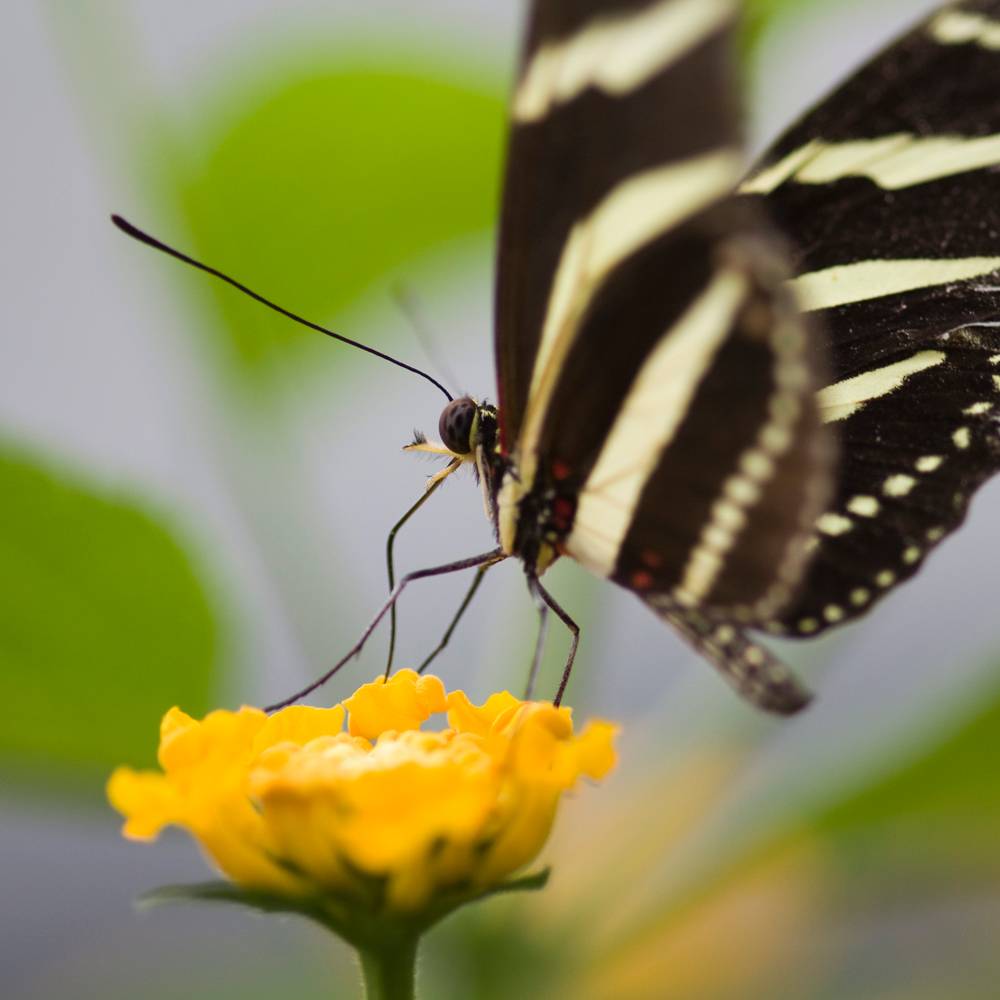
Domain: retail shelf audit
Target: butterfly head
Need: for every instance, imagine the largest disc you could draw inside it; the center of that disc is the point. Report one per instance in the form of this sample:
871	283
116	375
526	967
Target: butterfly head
469	435
457	425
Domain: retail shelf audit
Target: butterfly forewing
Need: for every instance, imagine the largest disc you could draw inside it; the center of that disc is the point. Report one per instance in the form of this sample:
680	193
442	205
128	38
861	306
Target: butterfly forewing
890	194
607	92
656	380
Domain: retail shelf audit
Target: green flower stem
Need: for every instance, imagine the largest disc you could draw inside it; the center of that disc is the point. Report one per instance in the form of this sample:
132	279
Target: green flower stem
386	942
390	973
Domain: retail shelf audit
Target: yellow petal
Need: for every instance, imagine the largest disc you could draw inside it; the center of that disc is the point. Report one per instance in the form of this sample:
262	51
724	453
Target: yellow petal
298	724
145	798
558	721
401	703
593	751
523	834
172	725
234	834
175	721
465	717
220	737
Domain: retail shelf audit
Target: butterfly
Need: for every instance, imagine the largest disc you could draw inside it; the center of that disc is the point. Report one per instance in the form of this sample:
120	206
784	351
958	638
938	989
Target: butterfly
757	402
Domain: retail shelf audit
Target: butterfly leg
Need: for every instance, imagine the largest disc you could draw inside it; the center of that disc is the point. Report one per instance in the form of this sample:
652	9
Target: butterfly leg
487	557
535	589
574	628
751	669
432	485
480	573
544	601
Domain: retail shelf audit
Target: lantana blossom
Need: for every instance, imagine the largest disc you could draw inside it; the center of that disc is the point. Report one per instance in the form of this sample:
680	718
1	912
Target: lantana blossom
384	814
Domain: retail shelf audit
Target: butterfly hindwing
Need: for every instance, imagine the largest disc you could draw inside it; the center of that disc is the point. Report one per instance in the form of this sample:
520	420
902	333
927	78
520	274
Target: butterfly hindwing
912	460
889	193
717	538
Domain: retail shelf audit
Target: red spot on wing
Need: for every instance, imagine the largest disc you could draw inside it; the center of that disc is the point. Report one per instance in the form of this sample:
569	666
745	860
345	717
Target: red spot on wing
562	513
641	580
560	470
652	559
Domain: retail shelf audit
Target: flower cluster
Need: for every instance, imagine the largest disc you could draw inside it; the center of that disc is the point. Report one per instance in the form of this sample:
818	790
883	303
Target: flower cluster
384	815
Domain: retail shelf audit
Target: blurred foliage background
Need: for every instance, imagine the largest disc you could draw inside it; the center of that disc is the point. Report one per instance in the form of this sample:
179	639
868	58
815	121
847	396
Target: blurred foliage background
194	498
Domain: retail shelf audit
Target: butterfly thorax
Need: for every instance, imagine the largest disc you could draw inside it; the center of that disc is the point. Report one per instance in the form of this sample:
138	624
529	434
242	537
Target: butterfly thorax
532	523
484	441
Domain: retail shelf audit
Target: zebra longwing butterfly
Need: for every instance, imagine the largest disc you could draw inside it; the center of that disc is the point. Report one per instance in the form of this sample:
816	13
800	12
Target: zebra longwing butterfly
679	366
756	404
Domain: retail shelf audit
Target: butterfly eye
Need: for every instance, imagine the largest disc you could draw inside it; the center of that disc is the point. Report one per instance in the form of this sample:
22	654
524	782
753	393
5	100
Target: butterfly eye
455	425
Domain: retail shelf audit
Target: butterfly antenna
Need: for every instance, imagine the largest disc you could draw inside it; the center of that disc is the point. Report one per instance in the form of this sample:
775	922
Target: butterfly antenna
410	305
137	234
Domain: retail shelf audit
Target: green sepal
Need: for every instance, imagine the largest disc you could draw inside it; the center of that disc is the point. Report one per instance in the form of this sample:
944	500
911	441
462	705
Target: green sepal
526	883
361	924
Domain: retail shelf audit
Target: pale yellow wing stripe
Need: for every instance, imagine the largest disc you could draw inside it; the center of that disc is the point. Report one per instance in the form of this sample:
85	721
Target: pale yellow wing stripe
893	162
871	279
956	27
648	420
766	180
844	398
634	214
616	54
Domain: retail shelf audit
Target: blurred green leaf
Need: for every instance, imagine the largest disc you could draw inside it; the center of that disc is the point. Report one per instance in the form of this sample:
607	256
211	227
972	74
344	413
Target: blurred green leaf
958	776
929	831
759	15
330	183
103	625
324	185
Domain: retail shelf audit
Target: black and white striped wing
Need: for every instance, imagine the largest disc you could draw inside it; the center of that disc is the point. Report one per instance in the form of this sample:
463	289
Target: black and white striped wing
612	94
657	383
890	193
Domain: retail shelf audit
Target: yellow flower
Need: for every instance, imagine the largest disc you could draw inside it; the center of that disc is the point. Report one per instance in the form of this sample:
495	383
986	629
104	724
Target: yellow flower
291	805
